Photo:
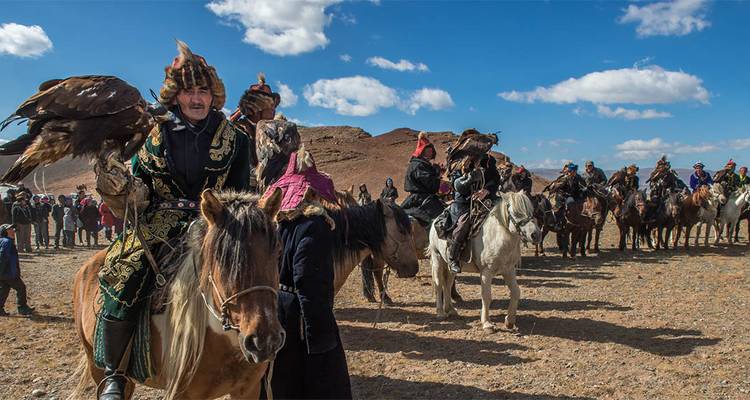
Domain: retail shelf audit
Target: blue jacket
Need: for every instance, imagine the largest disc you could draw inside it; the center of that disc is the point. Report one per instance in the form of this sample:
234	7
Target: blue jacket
307	268
696	181
8	259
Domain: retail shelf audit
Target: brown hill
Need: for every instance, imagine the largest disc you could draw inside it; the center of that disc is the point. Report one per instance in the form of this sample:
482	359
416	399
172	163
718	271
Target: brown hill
349	154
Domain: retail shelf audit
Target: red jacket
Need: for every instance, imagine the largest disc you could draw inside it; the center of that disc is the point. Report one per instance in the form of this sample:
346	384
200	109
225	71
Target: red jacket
107	218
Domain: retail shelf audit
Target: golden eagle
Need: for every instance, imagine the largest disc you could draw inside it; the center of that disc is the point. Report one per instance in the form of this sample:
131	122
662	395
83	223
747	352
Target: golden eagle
472	146
79	116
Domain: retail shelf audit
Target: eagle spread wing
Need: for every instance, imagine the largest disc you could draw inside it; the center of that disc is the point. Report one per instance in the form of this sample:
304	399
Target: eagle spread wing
83	115
471	144
616	178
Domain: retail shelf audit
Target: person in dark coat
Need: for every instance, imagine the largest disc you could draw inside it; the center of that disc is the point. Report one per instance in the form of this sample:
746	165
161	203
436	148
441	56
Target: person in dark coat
522	180
9	199
631	182
41	210
21	218
491	176
389	192
90	218
58	212
462	182
422	182
312	363
573	186
593	175
10	272
364	197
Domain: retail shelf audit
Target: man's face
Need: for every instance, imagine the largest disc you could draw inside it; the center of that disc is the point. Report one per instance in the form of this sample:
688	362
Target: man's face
195	103
590	168
11	233
571	172
743	171
699	171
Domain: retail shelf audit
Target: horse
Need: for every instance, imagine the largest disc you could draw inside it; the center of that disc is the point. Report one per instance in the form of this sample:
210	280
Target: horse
551	221
730	213
220	328
629	211
596	231
583	217
690	213
373	267
379	229
666	219
708	214
495	250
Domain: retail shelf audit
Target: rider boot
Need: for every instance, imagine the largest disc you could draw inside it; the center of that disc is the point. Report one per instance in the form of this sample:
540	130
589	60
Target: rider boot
116	336
456	244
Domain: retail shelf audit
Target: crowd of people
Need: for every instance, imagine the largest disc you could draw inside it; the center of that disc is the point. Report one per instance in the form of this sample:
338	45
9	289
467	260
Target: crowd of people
69	217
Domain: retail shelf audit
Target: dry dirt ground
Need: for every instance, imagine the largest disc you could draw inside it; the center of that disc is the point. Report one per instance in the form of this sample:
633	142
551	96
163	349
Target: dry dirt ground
649	325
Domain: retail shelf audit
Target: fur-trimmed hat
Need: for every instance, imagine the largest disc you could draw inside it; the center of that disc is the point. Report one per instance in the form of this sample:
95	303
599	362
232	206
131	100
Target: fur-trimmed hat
632	168
731	163
189	70
422	144
258	99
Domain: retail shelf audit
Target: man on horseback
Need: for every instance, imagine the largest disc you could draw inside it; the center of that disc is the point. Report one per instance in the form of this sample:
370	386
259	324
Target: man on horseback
699	177
593	175
198	150
631	180
573	186
521	180
422	182
464	181
664	179
728	179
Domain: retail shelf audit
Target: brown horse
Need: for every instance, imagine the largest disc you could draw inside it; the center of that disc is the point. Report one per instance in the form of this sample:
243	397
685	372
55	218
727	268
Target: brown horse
229	271
629	211
380	230
690	213
596	231
582	217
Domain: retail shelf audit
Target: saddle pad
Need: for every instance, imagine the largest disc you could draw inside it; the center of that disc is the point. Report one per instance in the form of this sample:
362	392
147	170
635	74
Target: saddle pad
479	213
139	366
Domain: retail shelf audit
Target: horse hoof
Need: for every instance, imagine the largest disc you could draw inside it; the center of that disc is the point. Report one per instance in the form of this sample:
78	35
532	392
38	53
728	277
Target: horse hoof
488	327
387	300
453	313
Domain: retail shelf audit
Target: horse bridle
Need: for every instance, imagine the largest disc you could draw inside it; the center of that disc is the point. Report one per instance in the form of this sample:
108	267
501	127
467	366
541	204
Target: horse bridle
518	224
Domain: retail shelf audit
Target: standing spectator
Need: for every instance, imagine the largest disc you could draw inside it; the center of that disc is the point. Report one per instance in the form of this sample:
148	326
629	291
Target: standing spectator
40	211
10	272
364	197
90	218
107	220
389	193
9	199
79	205
22	218
58	212
69	226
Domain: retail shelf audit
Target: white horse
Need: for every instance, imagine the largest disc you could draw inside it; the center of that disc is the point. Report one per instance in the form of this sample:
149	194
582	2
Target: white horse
708	214
730	213
495	250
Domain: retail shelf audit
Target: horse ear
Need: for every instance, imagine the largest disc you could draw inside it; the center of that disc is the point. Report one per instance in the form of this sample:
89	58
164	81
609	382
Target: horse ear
271	204
211	208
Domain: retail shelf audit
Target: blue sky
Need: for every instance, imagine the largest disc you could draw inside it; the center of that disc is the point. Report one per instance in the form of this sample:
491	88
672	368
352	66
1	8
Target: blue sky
617	82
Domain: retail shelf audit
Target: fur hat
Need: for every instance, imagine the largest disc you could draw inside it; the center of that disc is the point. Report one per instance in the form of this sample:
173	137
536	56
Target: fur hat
632	168
189	70
699	165
422	144
730	164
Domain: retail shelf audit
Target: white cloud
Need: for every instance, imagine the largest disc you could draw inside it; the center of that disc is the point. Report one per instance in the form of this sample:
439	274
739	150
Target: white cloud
630	114
356	96
288	98
434	99
401	65
668	18
638	149
362	96
547	163
524	149
740	144
345	58
23	41
555	142
650	85
281	28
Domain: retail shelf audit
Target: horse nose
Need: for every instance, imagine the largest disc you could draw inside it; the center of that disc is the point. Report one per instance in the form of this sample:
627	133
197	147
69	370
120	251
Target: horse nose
535	236
258	349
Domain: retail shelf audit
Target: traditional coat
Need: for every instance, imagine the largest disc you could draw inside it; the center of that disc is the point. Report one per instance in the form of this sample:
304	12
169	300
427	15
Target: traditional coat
596	177
126	277
422	182
698	181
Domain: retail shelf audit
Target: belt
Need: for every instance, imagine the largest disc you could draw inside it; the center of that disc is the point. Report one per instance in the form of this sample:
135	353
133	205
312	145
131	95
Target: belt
285	288
180	204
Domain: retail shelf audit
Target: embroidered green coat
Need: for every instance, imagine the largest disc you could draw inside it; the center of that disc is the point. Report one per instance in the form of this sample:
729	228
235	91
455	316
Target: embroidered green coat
126	279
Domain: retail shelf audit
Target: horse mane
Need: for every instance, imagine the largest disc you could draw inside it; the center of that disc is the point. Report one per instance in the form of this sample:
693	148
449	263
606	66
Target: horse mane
700	195
519	202
363	227
226	248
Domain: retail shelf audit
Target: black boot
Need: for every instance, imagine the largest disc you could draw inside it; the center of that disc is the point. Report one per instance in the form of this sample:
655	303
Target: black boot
116	336
454	256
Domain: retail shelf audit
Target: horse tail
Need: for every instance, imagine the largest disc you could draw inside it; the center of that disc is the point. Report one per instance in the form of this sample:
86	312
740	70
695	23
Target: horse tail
83	374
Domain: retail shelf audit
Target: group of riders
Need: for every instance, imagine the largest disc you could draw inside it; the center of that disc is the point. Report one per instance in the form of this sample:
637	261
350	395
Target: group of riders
206	150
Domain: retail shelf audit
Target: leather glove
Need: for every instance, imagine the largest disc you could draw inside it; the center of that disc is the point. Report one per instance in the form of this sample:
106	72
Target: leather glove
118	187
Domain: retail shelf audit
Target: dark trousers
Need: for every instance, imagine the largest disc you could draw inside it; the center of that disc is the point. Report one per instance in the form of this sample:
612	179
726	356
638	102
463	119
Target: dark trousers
15	284
92	234
58	234
69	239
80	236
41	230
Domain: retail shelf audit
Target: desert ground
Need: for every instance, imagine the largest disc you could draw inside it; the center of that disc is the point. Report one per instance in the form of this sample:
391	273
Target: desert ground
619	325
